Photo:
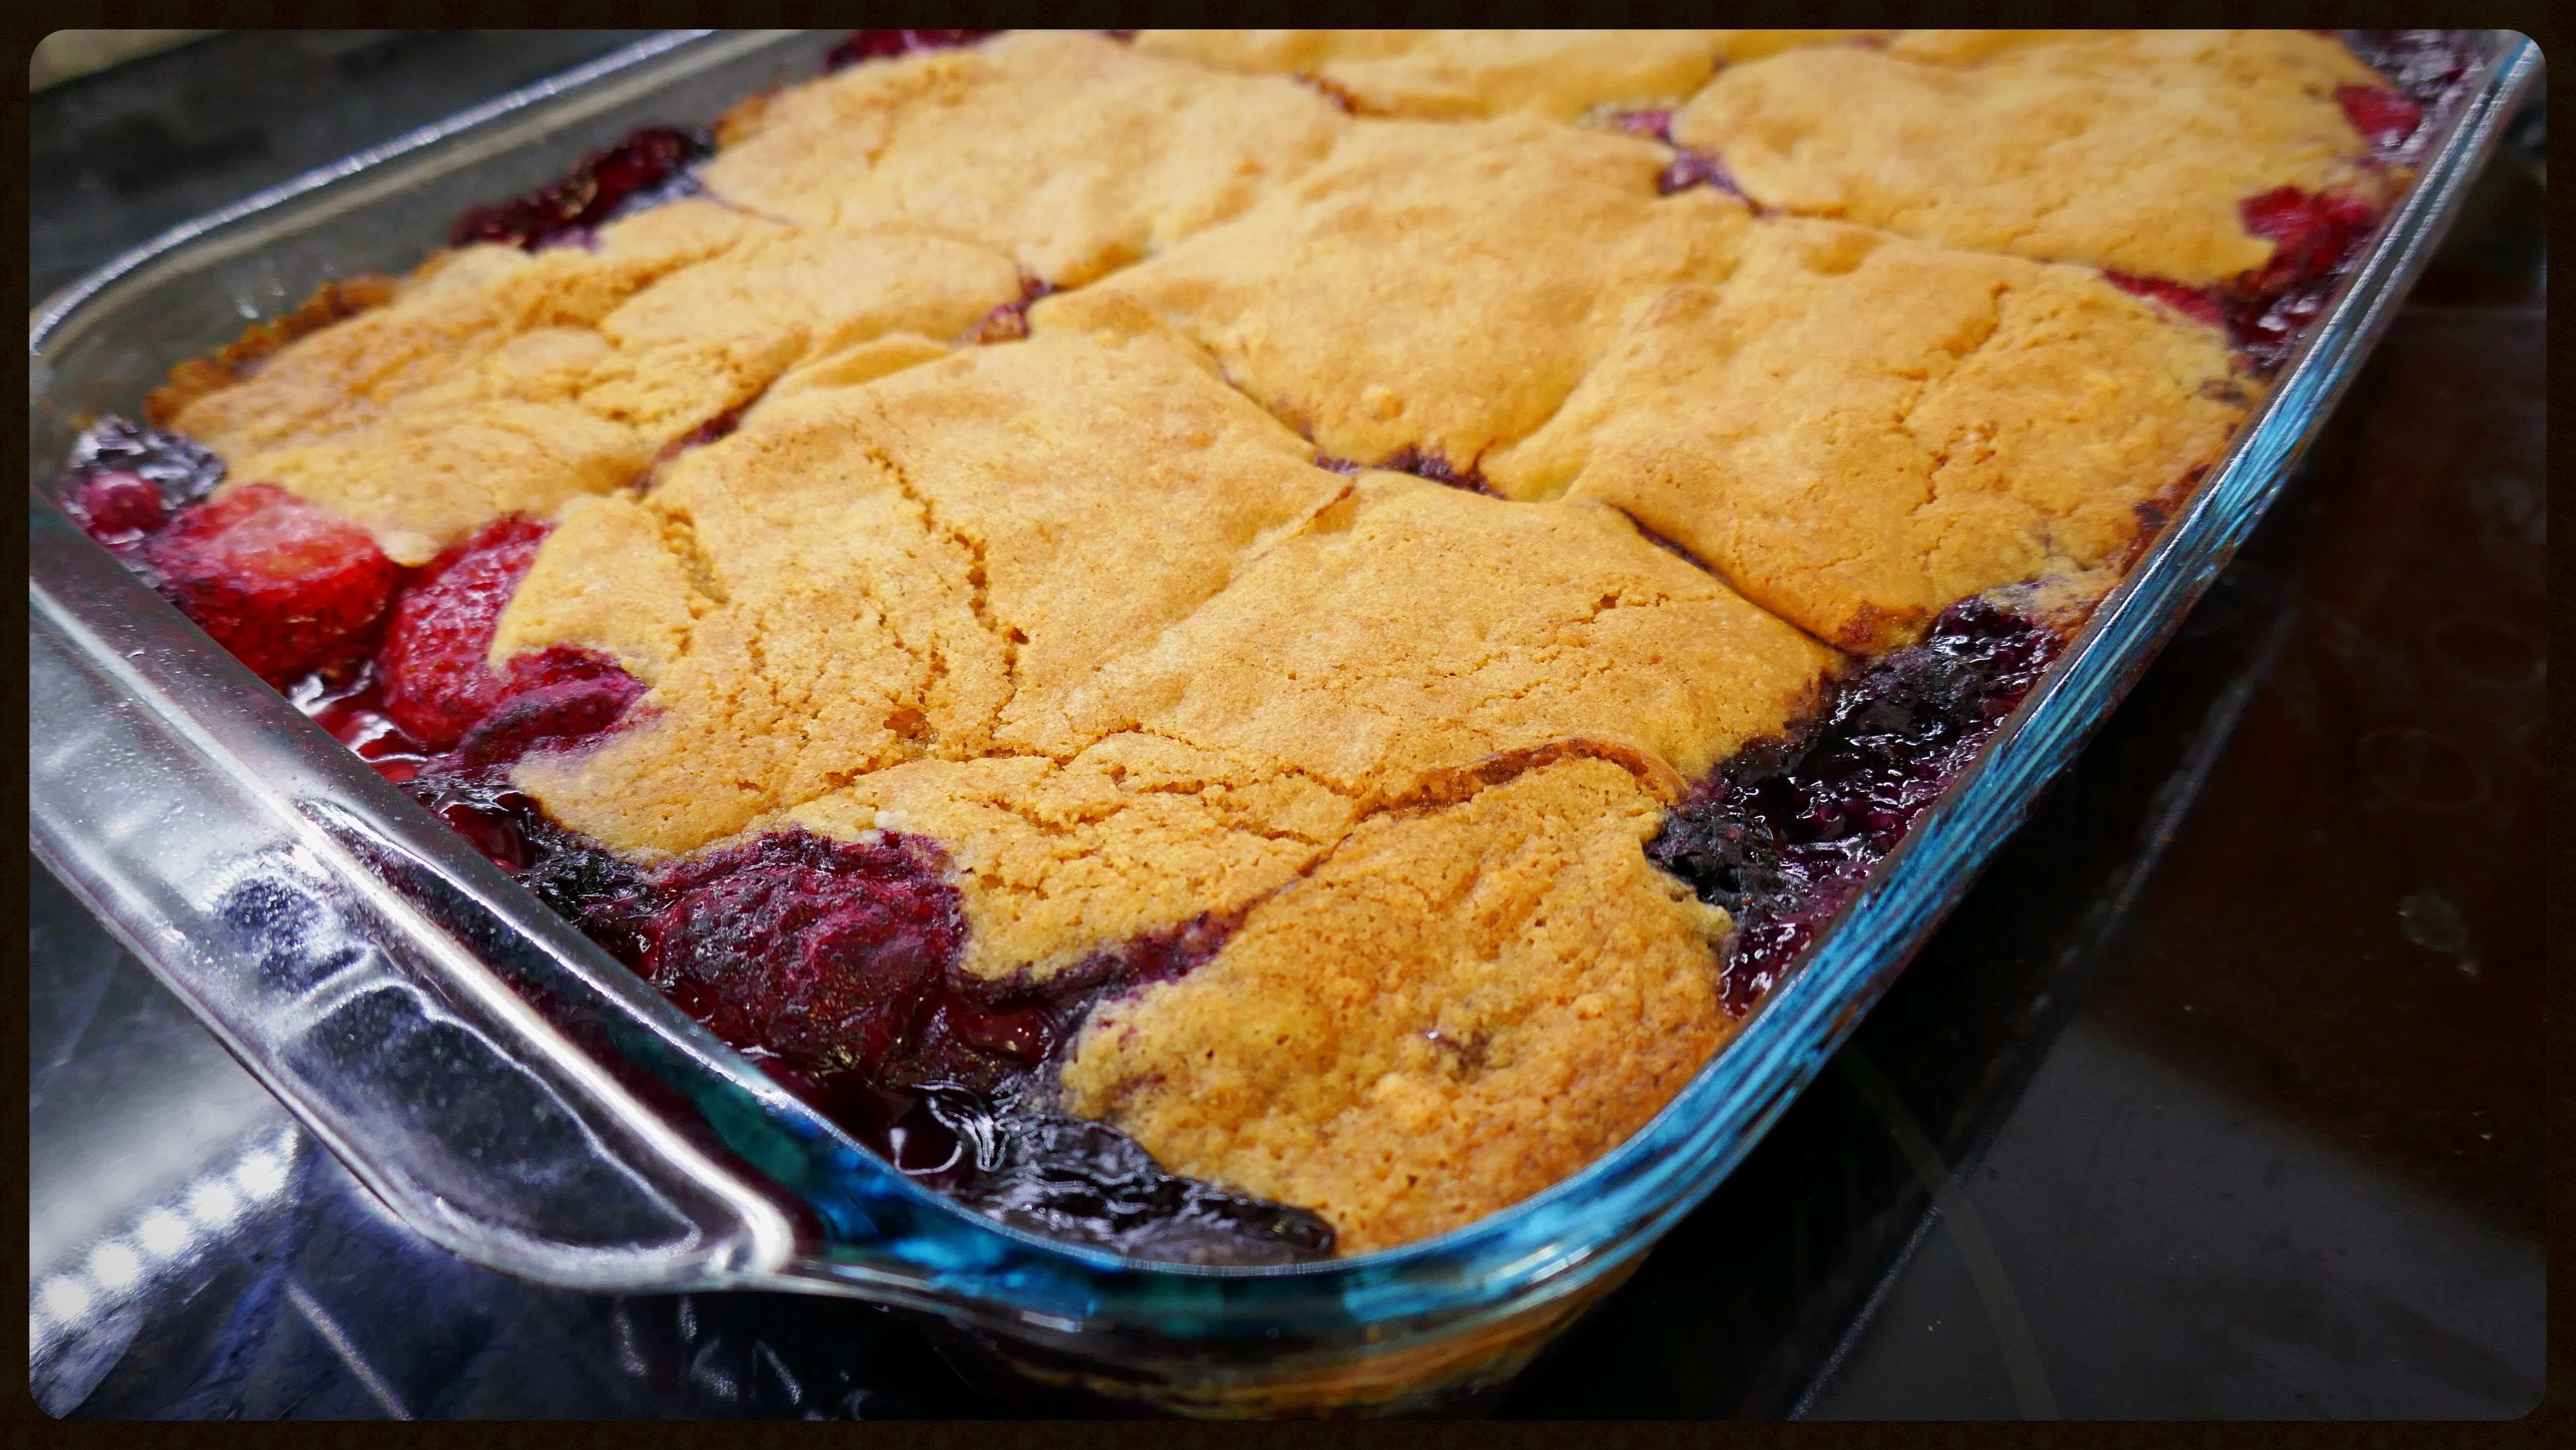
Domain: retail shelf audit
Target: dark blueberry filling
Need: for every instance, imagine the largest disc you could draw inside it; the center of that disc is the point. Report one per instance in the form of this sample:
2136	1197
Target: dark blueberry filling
1690	168
834	965
1010	321
1423	464
646	169
1782	834
863	45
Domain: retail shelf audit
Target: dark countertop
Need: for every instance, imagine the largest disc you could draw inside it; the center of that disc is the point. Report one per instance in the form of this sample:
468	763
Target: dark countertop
2221	1094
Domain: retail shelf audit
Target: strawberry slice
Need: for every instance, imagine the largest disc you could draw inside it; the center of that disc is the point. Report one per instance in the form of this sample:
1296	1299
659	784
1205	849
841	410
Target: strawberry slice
283	585
2388	118
434	681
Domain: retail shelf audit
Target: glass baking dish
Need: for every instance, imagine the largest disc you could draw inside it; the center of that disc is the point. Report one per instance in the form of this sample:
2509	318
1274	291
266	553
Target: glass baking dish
518	1097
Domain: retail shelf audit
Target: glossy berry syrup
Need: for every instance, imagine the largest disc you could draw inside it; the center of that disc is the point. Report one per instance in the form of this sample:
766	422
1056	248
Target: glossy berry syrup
1783	833
2316	235
646	169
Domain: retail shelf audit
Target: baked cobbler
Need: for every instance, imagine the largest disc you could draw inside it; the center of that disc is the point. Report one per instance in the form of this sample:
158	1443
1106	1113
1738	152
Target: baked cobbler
1242	646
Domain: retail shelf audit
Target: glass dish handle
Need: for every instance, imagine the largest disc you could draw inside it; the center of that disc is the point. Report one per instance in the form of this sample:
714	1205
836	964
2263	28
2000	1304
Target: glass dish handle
359	977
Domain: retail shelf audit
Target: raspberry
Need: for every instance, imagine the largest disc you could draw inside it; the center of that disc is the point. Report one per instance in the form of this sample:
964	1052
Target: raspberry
280	583
434	681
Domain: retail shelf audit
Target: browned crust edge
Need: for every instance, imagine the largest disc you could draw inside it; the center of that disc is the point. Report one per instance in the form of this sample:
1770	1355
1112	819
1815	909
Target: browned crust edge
331	302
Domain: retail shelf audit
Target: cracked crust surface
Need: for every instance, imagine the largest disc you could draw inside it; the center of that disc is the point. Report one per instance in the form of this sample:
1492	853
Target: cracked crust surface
499	381
1069	153
2122	149
1080	612
1517	945
1084	609
1858	430
1361	303
1558	75
921	566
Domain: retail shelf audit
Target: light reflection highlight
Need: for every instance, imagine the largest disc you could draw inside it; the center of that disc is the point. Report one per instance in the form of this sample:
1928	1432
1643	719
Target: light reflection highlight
65	1297
162	1233
115	1265
213	1205
260	1175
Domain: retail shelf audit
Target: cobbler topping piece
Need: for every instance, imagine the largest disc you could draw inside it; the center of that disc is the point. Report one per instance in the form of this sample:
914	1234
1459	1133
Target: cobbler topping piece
1558	627
506	382
1368	303
1456	1008
1060	861
1463	74
1072	154
2127	149
281	584
647	168
1210	767
1858	430
924	566
1781	837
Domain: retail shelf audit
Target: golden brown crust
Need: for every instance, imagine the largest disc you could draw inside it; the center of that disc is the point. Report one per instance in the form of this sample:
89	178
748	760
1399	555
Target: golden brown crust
1517	945
1858	431
1074	597
499	381
1364	301
2122	149
1068	153
1558	75
335	301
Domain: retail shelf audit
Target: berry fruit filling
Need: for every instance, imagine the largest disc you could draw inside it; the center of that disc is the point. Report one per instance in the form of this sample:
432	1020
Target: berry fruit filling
887	44
834	964
1784	832
647	168
2316	238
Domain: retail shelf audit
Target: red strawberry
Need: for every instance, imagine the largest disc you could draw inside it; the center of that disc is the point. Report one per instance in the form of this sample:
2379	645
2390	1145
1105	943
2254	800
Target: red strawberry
2312	232
2387	117
2192	302
434	682
282	584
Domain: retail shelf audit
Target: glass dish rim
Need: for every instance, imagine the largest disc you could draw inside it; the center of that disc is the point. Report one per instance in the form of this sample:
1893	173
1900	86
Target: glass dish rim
1664	1168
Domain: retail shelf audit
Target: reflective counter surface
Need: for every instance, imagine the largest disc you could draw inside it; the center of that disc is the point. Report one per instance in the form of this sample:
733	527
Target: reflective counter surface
2221	1095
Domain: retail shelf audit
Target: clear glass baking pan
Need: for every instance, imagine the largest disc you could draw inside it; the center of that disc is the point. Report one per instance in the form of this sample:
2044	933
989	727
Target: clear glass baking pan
517	1096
